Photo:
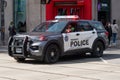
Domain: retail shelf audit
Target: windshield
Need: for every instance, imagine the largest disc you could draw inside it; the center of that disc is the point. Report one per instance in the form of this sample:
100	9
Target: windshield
50	27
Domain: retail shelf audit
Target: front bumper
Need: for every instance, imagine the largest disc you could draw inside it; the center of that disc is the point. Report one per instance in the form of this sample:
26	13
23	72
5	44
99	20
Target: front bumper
25	48
36	49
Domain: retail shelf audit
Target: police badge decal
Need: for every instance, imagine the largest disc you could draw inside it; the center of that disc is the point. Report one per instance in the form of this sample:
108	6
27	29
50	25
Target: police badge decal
66	38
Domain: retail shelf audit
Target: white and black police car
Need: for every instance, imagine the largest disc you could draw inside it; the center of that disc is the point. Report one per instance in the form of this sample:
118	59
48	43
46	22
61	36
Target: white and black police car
50	40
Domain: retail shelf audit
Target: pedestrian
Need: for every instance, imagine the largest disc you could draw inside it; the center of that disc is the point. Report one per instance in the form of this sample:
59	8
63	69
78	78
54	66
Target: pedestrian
103	22
11	29
109	30
114	31
20	26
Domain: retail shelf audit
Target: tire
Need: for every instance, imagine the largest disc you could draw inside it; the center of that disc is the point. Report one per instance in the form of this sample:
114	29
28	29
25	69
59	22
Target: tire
97	50
52	54
9	44
83	54
19	59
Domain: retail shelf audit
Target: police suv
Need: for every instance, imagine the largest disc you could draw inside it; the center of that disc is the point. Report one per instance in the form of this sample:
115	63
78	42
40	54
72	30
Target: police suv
49	40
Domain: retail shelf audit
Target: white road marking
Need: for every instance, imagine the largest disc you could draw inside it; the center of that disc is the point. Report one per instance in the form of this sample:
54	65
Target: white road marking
104	60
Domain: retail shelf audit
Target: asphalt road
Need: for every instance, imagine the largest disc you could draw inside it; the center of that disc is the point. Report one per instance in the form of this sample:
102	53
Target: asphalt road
67	68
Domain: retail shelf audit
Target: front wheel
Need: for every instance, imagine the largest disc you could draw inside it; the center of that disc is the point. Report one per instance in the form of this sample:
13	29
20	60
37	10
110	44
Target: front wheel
97	50
52	54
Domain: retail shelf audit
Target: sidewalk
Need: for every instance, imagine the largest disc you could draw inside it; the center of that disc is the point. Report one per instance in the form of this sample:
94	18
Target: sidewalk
116	46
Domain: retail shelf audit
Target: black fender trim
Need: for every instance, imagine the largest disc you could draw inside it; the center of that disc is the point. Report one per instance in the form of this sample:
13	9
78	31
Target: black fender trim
60	46
101	40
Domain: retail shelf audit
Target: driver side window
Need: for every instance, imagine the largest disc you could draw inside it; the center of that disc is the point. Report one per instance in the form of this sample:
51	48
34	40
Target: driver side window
71	27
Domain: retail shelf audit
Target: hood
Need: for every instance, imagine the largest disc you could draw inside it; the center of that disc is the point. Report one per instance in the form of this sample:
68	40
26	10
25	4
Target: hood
37	34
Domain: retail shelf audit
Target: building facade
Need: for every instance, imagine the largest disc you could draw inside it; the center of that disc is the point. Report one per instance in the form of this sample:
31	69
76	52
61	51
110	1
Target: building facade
115	10
7	14
31	12
27	13
115	13
86	9
82	8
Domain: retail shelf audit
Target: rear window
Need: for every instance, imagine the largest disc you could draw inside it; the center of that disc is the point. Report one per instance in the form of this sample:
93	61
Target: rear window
98	25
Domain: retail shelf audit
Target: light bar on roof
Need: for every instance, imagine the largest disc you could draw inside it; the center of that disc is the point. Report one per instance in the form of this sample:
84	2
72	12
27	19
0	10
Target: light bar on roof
67	17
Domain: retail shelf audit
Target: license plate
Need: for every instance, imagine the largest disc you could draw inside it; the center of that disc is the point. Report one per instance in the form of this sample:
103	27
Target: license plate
18	50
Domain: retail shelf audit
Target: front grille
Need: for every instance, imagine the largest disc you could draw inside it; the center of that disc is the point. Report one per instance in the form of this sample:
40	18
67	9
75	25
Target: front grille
18	45
34	47
18	42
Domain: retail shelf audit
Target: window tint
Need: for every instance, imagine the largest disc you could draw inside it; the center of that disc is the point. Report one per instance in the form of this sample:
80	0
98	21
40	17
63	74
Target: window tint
98	25
84	26
71	27
57	27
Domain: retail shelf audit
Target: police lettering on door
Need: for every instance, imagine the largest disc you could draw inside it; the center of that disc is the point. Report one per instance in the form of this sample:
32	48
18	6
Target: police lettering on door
77	43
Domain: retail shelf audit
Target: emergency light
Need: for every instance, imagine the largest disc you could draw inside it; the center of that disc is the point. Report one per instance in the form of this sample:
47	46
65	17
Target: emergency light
68	17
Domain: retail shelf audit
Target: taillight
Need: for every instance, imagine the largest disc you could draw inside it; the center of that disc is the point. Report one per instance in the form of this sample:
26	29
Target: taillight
106	33
43	38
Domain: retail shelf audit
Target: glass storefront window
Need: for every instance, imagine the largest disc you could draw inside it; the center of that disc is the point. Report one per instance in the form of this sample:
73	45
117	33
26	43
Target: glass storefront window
62	11
20	15
104	10
74	11
68	11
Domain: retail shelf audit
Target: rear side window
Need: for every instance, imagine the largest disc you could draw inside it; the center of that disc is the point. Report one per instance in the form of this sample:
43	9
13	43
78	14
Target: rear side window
98	25
84	26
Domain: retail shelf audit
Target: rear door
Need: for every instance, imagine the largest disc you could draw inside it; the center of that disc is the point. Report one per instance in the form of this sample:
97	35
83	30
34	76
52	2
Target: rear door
82	37
86	36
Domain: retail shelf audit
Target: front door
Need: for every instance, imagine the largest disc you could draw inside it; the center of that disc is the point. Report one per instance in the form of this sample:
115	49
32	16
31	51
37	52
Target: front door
68	39
69	34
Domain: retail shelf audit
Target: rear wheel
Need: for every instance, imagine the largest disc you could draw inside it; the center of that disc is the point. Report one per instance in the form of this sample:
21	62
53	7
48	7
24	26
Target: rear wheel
52	54
98	49
19	59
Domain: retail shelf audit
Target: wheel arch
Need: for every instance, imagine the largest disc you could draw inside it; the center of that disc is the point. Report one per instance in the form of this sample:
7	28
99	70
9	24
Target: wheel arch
53	42
99	39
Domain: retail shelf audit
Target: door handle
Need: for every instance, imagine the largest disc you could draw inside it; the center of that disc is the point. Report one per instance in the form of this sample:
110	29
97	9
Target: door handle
77	34
93	32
